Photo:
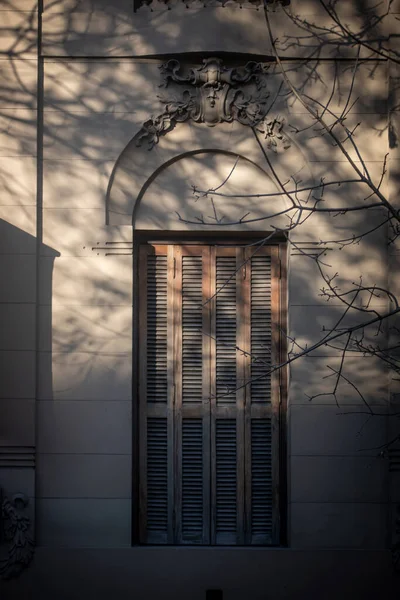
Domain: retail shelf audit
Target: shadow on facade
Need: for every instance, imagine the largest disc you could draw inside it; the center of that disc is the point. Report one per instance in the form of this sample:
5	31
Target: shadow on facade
25	336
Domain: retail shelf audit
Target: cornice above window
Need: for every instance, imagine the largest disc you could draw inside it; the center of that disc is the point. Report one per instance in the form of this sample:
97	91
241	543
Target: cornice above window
169	4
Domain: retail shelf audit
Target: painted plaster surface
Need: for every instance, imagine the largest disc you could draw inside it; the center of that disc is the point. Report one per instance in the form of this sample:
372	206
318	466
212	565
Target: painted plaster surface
66	348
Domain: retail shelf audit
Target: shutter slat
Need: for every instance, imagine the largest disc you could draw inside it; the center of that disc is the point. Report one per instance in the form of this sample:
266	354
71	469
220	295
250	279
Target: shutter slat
225	325
226	481
192	480
260	329
261	480
157	476
192	325
157	335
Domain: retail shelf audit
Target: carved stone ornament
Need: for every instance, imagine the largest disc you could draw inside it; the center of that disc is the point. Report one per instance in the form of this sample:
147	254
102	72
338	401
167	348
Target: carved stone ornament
16	529
212	94
168	4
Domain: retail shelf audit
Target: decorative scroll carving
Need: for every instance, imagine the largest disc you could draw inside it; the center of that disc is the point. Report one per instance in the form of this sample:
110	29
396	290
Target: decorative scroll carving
16	528
273	133
217	93
212	94
168	4
154	127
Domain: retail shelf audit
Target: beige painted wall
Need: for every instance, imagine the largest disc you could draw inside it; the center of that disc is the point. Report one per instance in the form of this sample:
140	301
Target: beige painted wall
91	298
18	122
72	373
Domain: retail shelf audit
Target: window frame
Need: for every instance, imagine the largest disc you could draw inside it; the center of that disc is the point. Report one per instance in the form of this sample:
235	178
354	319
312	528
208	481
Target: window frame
224	239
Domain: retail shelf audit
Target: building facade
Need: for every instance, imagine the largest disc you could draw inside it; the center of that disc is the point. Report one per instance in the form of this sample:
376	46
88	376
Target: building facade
169	425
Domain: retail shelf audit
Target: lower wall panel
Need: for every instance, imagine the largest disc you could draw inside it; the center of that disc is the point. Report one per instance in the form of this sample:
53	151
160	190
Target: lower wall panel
77	523
183	573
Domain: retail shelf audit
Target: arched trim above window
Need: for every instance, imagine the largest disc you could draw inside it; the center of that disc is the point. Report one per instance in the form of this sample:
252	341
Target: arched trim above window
137	166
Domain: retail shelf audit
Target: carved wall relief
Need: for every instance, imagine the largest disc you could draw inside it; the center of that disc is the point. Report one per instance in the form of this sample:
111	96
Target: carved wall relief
217	93
212	94
168	4
16	531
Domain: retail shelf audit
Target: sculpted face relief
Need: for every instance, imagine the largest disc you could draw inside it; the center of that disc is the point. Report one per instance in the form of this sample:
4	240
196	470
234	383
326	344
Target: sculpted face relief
212	94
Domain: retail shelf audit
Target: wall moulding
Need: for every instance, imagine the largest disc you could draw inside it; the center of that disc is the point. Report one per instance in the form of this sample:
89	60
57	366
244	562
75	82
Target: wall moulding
210	107
17	456
168	4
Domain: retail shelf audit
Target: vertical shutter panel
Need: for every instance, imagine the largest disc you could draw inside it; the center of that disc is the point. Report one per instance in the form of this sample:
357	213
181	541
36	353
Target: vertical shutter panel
192	329
192	393
157	478
156	373
192	403
261	481
154	401
226	311
226	481
261	329
227	409
192	480
261	402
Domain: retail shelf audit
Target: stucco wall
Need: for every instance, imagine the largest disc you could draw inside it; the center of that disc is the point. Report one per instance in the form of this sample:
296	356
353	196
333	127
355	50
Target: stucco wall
92	295
66	314
18	151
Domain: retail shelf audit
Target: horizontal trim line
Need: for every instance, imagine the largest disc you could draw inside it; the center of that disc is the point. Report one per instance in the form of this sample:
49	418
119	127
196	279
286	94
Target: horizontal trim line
17	349
2	303
128	498
73	305
267	58
353	353
84	352
343	407
81	454
17	456
91	305
54	400
378	458
14	465
358	502
83	400
346	456
18	253
326	305
9	397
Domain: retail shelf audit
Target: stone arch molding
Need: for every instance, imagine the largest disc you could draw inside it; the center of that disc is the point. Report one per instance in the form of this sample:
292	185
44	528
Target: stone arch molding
212	108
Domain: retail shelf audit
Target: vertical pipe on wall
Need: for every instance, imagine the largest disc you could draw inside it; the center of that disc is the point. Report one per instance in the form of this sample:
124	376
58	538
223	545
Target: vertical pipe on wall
39	213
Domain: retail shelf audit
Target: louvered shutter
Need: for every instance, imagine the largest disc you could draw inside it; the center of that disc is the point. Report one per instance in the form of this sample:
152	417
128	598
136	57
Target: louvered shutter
209	406
156	425
245	399
262	403
192	393
227	416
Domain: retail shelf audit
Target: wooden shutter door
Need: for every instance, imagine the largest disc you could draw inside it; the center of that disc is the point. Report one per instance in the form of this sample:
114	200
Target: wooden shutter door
174	395
156	399
209	405
192	394
262	396
244	395
227	416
